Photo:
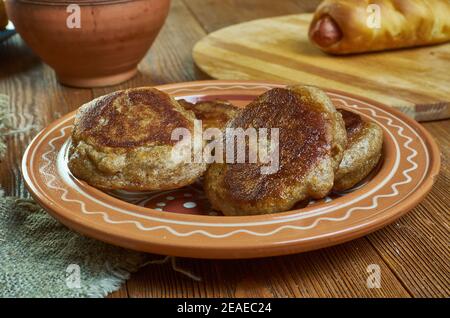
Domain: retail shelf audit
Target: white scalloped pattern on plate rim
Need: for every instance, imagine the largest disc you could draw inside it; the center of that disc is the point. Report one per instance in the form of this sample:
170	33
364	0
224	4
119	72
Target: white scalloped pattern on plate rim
51	178
67	179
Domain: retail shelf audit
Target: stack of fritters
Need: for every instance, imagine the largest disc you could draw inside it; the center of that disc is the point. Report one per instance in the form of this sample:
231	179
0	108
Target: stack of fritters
312	140
123	141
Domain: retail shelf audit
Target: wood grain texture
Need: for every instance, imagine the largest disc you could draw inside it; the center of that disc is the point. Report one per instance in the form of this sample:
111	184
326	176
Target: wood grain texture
279	49
416	246
412	253
213	16
321	273
35	99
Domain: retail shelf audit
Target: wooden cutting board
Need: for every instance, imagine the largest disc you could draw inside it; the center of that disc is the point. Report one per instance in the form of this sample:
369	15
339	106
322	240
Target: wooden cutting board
416	81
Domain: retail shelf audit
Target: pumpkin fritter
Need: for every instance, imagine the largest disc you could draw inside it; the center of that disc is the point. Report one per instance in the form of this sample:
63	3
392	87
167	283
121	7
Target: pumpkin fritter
213	114
124	141
312	140
365	141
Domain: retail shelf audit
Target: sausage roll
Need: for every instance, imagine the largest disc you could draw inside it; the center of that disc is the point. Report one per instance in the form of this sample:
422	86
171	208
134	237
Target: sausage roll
354	26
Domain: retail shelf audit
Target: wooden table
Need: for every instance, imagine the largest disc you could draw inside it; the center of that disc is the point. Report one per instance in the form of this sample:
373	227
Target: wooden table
413	253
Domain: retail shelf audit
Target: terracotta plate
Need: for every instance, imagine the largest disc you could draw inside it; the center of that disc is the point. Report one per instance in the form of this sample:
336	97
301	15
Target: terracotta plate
181	222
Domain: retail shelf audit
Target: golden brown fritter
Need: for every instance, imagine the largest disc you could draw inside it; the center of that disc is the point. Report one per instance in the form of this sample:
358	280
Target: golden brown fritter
312	139
213	114
365	141
124	141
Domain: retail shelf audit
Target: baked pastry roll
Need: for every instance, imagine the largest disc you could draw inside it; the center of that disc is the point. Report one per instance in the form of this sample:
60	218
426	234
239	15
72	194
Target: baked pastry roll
351	26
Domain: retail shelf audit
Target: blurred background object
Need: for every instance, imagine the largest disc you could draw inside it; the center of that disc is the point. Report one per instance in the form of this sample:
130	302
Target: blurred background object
3	16
6	27
412	80
92	43
348	27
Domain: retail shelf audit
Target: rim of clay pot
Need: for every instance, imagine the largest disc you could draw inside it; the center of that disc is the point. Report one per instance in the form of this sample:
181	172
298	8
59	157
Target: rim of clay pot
78	2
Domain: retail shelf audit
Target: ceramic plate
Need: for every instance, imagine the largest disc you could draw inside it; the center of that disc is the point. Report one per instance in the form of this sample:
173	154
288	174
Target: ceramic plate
181	222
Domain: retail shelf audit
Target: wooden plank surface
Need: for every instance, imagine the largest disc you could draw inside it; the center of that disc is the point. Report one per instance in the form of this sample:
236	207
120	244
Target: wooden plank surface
213	16
278	48
412	253
35	99
323	273
416	247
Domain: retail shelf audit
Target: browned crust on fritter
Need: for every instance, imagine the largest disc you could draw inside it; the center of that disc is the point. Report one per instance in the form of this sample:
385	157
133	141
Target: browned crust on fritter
123	141
365	141
353	124
213	114
309	139
130	118
277	109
